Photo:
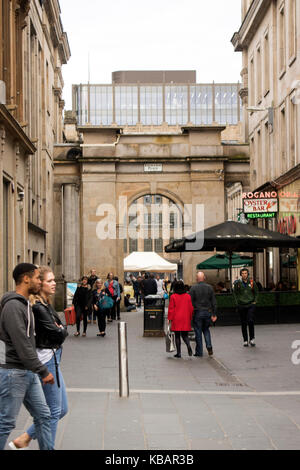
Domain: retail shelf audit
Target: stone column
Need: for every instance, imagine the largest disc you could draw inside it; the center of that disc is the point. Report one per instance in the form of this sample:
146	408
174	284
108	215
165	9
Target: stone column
71	232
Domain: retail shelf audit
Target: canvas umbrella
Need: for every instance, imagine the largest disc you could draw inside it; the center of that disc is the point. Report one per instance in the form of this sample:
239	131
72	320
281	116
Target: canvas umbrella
222	262
232	236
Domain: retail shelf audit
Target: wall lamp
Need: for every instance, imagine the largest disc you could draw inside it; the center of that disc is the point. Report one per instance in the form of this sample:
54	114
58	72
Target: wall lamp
255	109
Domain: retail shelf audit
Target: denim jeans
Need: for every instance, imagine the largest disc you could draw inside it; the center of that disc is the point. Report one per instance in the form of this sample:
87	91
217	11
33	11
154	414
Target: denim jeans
23	386
201	325
56	398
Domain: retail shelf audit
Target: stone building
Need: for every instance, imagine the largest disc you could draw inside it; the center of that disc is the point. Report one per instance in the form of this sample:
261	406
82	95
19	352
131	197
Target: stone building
143	144
269	39
33	49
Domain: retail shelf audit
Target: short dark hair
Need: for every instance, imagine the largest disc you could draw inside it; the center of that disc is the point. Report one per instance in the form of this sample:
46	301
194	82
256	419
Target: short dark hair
244	269
23	269
179	288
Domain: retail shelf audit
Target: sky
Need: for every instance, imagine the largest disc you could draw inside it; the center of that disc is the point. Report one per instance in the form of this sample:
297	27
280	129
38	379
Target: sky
113	35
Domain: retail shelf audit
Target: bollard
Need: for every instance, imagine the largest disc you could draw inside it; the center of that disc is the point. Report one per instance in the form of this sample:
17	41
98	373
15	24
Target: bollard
123	360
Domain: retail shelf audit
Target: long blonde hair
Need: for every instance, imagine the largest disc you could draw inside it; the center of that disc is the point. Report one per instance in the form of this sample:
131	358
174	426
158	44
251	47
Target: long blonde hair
34	298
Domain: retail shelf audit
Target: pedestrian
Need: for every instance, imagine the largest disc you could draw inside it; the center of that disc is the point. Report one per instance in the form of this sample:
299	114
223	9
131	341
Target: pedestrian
93	278
19	375
50	335
82	301
137	290
114	289
149	285
180	315
245	292
129	306
160	285
98	294
91	281
118	302
205	306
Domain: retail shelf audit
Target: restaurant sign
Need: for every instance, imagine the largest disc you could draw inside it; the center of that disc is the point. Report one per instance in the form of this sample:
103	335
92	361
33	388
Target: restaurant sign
260	205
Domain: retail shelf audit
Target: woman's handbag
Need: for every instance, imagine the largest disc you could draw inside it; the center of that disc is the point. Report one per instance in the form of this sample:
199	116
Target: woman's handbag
166	295
170	341
105	303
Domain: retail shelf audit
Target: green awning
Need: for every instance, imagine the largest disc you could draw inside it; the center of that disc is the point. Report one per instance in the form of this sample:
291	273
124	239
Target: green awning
222	262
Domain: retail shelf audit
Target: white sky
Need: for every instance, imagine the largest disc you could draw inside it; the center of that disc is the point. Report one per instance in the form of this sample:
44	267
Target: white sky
150	35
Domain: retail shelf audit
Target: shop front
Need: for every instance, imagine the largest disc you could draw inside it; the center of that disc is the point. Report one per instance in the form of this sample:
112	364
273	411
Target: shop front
288	223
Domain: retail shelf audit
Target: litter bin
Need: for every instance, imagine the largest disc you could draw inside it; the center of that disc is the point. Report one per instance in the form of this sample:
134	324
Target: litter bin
154	316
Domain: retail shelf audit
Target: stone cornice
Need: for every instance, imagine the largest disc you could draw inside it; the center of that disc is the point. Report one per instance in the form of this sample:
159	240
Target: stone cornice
14	128
253	18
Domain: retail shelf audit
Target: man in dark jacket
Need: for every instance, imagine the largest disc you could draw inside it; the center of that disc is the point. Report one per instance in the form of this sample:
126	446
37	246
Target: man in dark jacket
149	285
205	307
21	365
246	292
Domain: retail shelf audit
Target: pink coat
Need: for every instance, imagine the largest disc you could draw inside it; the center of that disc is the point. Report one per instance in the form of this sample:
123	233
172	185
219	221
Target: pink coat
180	312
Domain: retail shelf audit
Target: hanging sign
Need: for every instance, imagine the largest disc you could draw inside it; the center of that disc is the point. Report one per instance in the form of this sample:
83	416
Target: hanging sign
260	208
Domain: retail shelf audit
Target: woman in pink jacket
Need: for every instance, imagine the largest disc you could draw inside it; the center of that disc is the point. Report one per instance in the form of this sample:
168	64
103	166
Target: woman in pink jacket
180	315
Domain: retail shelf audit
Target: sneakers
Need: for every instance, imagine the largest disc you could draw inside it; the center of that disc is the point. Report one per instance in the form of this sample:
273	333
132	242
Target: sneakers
252	343
246	344
12	446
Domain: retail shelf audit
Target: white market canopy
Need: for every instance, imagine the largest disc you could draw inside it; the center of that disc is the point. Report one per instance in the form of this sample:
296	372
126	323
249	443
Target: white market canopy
148	261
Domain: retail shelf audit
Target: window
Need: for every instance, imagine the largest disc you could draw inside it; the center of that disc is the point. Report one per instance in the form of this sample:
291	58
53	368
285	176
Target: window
5	274
176	104
283	140
126	105
266	64
282	40
133	245
227	104
292	126
292	30
148	244
101	105
252	83
151	105
258	75
201	104
159	245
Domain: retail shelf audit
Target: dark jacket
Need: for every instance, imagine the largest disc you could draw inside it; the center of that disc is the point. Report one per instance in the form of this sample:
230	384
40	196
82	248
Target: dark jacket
245	293
17	332
82	297
203	298
149	287
48	335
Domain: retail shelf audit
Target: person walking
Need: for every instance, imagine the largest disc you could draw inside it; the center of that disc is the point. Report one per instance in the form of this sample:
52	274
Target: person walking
19	374
91	281
50	335
246	292
180	315
114	289
98	293
118	302
205	307
82	302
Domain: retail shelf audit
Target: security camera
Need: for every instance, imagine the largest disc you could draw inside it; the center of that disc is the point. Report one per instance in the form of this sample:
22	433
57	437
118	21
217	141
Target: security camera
21	195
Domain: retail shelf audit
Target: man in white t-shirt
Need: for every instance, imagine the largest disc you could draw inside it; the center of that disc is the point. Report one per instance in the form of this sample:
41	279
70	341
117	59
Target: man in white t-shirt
160	285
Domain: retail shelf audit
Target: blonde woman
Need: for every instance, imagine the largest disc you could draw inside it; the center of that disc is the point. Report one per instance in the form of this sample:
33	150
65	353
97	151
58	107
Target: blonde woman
98	293
50	334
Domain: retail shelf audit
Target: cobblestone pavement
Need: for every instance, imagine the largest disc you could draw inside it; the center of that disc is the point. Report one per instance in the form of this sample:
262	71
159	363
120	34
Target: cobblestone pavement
241	398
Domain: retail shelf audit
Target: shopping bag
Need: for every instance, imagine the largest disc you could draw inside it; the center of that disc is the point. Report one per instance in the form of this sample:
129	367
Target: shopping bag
70	315
170	341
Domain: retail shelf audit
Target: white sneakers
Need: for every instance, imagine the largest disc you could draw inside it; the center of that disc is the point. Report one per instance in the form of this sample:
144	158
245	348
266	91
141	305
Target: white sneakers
12	446
252	343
